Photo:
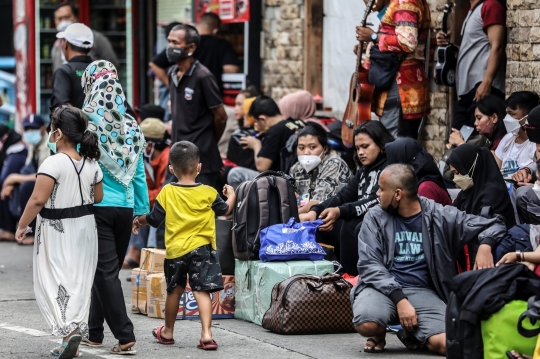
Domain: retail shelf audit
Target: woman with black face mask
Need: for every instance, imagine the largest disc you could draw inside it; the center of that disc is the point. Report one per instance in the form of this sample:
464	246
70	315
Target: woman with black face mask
156	164
478	176
482	185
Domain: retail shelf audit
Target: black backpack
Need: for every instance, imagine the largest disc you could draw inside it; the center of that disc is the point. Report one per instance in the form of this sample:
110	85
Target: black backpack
268	199
463	339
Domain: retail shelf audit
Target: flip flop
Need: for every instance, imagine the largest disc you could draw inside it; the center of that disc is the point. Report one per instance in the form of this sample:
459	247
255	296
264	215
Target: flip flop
88	343
157	334
409	341
375	343
70	348
207	346
56	352
117	349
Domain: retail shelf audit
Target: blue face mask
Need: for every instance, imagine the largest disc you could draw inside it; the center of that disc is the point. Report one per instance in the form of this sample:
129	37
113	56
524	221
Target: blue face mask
32	137
51	145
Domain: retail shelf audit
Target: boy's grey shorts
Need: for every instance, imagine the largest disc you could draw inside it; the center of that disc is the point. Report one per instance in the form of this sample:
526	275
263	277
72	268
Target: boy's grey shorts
370	305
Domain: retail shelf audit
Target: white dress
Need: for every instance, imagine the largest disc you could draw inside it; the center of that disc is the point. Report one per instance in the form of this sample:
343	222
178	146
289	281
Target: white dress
66	245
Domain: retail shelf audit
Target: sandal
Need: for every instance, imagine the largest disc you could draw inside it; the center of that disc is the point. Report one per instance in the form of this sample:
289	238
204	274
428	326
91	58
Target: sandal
375	344
515	355
69	348
410	343
207	346
90	344
157	334
117	349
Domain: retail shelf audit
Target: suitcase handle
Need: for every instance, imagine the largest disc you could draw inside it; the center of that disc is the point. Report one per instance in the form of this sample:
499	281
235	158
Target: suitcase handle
339	285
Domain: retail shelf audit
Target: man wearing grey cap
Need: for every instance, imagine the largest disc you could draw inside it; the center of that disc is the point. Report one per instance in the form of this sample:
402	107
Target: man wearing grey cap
76	42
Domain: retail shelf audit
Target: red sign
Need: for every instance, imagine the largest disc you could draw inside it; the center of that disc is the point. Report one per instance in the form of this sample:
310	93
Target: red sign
229	11
24	40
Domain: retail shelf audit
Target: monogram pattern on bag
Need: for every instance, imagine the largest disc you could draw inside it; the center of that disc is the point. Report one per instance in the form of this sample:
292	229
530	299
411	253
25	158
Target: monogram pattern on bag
307	304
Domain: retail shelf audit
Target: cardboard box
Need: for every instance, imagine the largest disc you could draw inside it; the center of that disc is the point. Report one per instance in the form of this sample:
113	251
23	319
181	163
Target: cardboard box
156	295
152	259
266	275
223	302
244	291
138	291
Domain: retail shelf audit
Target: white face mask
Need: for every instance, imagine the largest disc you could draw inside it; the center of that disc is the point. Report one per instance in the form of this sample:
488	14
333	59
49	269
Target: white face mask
536	189
63	25
512	125
309	162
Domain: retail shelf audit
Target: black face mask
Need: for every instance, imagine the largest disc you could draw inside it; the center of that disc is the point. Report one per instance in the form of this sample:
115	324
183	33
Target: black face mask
391	210
533	133
175	54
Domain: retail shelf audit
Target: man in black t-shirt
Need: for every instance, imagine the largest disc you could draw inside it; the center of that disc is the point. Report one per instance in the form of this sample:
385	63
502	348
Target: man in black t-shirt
76	42
406	248
197	110
274	132
217	55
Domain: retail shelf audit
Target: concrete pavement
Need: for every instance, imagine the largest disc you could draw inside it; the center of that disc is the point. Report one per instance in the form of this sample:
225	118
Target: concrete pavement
24	333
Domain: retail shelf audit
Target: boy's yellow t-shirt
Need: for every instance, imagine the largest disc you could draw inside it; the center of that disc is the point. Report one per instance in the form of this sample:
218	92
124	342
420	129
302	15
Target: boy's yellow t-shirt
189	212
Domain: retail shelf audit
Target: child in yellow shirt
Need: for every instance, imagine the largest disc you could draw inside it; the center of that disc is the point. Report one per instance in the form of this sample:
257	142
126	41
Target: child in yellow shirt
189	210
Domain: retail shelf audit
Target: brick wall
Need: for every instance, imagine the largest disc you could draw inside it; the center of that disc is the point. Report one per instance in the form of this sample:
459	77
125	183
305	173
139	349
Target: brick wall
434	135
523	49
283	65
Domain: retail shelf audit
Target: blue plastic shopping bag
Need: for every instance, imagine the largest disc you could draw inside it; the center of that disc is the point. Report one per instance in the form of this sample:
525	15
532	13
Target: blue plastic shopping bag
291	241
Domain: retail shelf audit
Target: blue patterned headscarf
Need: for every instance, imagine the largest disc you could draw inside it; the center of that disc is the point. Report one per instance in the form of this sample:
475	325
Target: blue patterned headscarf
120	139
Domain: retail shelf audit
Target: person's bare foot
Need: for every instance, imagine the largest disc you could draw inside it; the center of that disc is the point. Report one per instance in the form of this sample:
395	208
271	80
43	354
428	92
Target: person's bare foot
7	236
29	240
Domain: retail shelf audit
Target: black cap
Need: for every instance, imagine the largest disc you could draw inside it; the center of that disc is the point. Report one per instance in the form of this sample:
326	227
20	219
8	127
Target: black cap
150	110
533	125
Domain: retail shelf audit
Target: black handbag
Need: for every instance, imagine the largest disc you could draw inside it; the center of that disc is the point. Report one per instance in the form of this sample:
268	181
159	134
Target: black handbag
383	67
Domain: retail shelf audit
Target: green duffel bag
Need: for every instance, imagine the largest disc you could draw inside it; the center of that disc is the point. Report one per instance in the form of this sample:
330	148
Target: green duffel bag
500	333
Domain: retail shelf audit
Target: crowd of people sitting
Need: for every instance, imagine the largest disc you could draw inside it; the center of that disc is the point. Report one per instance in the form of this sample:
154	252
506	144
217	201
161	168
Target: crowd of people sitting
488	180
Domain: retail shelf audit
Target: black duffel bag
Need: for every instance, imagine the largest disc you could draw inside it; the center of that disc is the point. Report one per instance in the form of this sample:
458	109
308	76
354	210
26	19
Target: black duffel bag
383	67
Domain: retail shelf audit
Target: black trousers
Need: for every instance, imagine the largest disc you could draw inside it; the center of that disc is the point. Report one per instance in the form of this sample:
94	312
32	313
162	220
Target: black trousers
465	107
344	238
114	231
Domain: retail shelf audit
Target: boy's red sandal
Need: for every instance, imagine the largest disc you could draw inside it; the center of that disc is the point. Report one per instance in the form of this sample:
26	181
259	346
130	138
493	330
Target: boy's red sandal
207	346
157	334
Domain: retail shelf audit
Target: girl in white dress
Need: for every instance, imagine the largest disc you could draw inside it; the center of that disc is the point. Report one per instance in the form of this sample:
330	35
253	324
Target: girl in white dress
66	248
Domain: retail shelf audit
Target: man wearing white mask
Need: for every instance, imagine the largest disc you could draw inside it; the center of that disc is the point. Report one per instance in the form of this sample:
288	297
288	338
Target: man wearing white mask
319	172
65	15
515	151
76	43
528	195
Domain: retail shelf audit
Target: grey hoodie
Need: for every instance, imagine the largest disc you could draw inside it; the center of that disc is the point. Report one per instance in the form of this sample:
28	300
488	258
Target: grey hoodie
447	230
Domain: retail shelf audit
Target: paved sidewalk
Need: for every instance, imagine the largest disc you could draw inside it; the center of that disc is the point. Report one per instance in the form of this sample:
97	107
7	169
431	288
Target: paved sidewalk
24	333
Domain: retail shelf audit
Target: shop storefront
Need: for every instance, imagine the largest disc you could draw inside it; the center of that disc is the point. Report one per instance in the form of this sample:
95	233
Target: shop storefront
35	35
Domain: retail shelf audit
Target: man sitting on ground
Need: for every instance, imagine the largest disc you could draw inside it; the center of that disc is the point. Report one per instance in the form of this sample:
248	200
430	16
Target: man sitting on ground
274	130
400	280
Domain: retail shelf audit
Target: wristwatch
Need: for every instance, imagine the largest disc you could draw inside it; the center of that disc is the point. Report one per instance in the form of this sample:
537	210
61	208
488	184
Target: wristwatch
374	37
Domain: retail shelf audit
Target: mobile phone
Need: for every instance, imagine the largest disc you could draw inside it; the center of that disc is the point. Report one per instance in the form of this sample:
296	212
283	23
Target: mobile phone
466	132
